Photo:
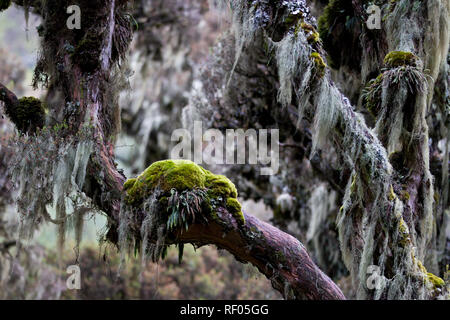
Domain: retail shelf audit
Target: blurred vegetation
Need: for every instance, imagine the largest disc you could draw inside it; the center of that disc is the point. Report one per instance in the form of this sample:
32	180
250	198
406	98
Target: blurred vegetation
205	273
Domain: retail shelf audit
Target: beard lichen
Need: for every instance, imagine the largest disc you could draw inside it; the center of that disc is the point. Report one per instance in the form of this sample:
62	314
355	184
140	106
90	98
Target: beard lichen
49	174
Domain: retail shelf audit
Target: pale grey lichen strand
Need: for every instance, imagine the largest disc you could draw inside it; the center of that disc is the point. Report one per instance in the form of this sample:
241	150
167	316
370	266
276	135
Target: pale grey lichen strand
293	57
49	177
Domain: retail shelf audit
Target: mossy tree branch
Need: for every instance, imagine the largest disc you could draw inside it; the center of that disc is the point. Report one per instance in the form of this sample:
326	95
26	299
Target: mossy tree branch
188	204
279	256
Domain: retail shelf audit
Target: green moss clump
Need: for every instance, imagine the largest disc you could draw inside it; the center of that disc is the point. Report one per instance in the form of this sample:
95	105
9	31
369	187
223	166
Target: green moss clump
396	59
183	175
29	113
320	63
403	233
4	4
313	37
220	185
177	174
235	208
406	195
311	33
435	280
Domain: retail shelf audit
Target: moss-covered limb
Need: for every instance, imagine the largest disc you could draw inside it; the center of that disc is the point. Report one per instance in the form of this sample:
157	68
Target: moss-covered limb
26	113
176	201
279	256
177	176
416	55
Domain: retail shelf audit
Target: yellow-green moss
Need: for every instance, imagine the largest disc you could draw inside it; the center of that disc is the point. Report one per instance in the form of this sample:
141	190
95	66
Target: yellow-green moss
436	198
435	280
178	174
129	183
313	37
235	208
219	185
403	231
320	63
353	184
400	58
392	195
4	4
311	33
420	265
182	175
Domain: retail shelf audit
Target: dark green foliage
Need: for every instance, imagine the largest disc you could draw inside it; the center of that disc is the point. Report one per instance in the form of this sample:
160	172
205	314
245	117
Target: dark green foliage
29	113
4	4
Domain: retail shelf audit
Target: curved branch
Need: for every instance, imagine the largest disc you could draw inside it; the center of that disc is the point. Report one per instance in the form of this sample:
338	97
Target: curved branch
279	256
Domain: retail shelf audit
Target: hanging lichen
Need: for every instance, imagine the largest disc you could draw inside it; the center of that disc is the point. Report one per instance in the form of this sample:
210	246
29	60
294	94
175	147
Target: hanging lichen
49	174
